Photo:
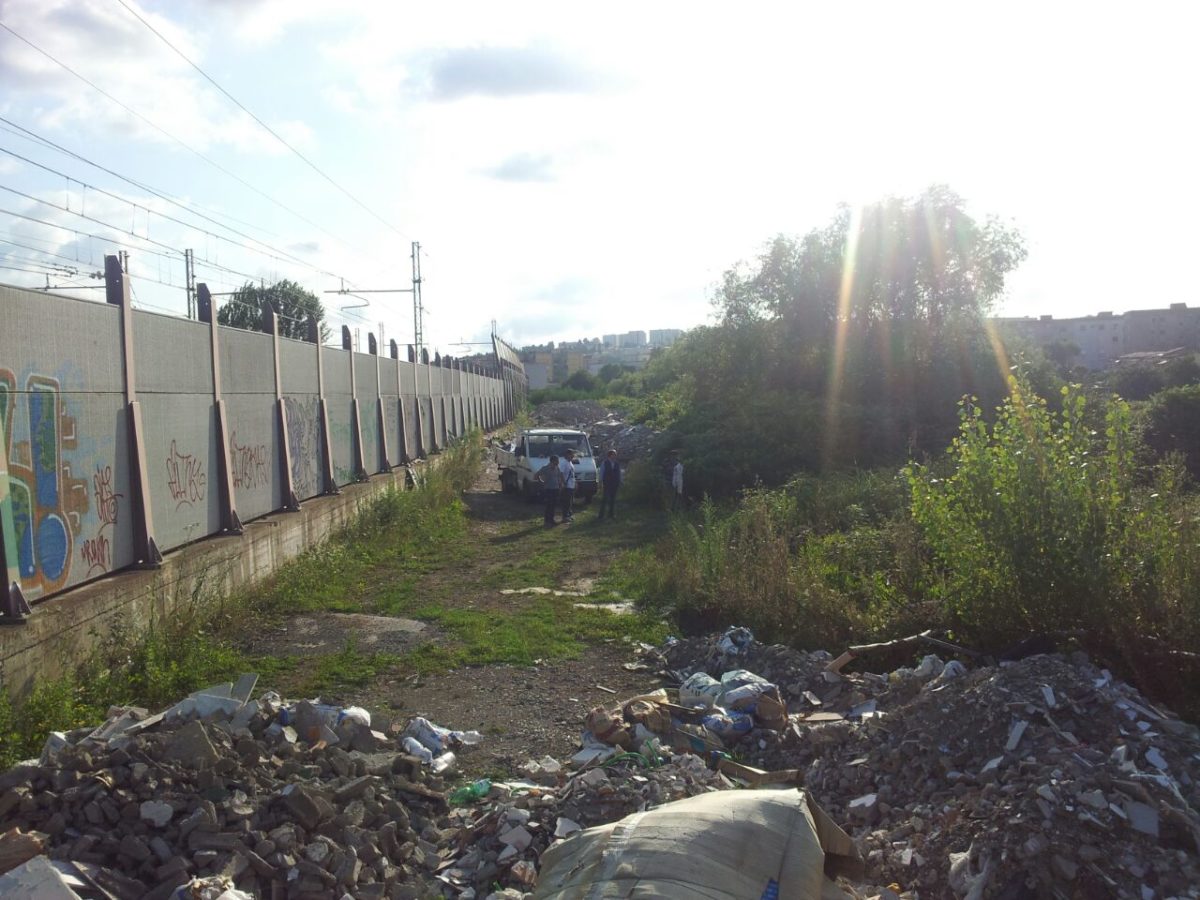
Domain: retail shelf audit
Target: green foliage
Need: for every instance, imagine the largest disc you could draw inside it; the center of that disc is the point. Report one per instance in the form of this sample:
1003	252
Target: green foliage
780	562
1135	382
1042	525
844	348
1173	424
294	303
582	381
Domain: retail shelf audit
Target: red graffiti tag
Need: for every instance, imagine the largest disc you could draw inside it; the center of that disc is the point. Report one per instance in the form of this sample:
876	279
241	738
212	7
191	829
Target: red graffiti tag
97	554
185	477
249	464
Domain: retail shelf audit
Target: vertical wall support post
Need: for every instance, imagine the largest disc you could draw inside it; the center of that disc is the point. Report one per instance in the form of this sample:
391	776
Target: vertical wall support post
434	444
230	522
415	358
385	460
402	454
360	467
314	335
270	325
145	549
13	605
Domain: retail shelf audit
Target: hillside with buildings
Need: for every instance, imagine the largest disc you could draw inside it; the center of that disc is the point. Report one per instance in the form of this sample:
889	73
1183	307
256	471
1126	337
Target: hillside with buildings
553	363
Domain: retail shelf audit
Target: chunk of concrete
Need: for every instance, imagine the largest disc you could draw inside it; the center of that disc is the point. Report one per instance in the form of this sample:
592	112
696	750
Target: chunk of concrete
191	747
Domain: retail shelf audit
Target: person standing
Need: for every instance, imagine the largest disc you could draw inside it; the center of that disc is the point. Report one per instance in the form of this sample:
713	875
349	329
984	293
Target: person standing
568	485
550	476
676	481
610	480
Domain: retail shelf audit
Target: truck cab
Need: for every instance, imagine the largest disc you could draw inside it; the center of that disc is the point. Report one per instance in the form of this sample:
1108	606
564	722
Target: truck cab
531	451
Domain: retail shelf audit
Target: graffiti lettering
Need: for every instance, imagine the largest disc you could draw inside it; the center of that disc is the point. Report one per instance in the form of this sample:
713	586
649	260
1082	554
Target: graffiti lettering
97	551
48	504
97	555
106	497
251	467
186	479
304	444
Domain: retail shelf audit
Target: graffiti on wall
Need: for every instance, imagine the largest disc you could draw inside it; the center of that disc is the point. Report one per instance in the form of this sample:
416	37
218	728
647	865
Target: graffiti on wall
186	478
250	464
341	438
97	550
304	444
48	502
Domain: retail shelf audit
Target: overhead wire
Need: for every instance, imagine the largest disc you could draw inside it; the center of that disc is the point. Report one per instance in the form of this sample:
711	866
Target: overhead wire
149	240
166	133
40	250
263	124
283	256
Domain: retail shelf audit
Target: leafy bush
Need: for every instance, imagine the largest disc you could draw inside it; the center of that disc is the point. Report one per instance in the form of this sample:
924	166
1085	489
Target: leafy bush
1173	424
1042	526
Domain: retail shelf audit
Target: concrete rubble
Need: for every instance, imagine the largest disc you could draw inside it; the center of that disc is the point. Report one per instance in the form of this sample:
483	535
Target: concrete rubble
1045	777
218	791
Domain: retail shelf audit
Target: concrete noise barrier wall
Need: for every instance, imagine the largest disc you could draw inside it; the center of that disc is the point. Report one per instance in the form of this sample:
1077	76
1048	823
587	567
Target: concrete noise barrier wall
125	433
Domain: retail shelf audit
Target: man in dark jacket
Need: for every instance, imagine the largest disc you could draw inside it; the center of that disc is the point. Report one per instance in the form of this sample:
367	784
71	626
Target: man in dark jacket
610	480
550	475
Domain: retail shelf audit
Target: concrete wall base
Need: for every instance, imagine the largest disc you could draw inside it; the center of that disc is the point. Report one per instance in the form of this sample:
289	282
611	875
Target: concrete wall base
64	628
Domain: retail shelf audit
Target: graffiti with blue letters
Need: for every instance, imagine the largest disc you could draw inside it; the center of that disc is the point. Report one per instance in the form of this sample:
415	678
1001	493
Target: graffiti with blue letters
48	502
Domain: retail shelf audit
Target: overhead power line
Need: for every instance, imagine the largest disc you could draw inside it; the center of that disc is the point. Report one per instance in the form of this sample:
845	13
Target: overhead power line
165	133
172	250
278	255
271	131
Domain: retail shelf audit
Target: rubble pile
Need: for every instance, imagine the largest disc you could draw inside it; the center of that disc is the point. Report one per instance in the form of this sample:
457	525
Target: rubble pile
220	788
1041	777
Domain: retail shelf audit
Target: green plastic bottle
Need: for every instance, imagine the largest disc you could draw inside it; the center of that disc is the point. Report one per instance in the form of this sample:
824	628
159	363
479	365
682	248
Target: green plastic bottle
470	793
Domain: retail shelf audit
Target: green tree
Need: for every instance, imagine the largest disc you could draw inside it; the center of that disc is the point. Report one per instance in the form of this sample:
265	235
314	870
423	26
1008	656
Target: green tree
293	303
1173	424
609	371
1136	382
849	346
581	381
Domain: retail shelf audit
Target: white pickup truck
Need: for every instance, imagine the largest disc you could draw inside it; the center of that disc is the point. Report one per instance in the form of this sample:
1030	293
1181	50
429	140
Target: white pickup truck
521	460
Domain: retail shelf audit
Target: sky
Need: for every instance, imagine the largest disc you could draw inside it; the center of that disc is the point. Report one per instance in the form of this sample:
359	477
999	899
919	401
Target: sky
572	170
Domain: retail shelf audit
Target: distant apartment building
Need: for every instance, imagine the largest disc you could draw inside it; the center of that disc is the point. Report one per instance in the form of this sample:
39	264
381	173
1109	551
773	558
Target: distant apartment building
1104	337
664	337
633	339
611	341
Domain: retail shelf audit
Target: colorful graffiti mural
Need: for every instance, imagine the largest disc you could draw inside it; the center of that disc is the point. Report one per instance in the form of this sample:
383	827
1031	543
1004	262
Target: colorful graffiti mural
48	503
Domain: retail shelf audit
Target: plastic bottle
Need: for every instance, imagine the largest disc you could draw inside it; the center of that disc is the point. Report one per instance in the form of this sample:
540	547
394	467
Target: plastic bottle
416	748
470	793
444	763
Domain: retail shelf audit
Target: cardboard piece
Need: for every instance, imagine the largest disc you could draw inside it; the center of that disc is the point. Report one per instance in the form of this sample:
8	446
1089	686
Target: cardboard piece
724	844
757	777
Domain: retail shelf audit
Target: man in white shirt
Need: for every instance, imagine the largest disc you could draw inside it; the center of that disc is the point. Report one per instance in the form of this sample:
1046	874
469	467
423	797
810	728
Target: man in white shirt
676	481
567	495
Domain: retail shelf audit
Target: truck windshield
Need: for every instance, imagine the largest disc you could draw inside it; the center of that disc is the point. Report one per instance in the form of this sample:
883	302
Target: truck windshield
543	446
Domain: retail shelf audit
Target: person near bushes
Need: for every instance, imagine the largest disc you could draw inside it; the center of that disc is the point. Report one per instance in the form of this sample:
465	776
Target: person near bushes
550	475
676	481
567	494
610	480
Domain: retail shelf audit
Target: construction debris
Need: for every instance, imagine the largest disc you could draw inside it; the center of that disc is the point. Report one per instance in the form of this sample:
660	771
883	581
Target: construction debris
605	429
1040	777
